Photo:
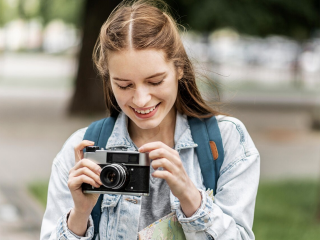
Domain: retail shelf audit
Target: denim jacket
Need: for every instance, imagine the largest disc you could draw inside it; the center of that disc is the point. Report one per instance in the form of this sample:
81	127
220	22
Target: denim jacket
228	216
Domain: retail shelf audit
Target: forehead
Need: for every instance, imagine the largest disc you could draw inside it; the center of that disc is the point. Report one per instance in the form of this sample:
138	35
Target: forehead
131	64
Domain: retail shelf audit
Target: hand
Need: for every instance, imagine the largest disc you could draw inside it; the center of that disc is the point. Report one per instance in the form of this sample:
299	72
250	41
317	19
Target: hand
84	171
175	175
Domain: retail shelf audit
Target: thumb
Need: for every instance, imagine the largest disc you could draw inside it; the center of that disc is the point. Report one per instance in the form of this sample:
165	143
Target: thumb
78	150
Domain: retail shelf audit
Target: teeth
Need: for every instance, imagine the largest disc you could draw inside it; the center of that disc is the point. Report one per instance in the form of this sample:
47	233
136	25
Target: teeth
145	111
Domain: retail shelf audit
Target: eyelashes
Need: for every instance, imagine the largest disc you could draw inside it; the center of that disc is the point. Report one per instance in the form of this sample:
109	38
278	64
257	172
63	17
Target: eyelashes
124	88
130	85
156	83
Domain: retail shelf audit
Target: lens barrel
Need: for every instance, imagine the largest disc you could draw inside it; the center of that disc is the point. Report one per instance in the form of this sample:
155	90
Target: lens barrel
114	176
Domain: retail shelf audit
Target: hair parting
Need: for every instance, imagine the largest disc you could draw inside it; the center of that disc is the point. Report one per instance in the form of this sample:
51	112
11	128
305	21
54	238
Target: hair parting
147	24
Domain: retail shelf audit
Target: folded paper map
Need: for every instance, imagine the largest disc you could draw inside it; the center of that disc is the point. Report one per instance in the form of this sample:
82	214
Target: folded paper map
166	228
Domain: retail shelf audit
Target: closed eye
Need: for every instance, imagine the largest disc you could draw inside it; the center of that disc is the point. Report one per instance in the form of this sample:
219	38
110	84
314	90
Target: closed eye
156	83
124	87
130	85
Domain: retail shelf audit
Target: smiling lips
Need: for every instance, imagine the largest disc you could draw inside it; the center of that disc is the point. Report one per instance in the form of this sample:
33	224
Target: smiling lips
146	113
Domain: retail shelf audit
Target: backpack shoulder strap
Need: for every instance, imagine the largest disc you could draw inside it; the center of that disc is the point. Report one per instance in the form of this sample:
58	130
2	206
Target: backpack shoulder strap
99	132
206	133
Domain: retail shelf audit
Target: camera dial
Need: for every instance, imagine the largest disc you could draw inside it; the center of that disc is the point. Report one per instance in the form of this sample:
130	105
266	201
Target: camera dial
114	176
92	148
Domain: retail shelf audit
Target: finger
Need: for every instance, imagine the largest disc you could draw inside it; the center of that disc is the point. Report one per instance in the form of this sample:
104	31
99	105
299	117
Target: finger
86	171
163	174
165	164
148	147
78	150
88	164
76	182
163	153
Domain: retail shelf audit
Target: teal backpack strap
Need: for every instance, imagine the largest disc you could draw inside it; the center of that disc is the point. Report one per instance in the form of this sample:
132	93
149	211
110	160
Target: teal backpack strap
210	152
99	132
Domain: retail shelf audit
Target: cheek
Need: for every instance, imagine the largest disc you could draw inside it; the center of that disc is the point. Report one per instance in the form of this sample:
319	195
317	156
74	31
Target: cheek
169	95
121	97
174	91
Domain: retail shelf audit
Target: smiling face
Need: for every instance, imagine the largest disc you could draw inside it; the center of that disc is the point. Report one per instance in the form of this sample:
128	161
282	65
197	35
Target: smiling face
145	86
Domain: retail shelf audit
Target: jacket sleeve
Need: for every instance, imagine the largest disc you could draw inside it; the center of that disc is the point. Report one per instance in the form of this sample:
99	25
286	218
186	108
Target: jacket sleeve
60	202
230	214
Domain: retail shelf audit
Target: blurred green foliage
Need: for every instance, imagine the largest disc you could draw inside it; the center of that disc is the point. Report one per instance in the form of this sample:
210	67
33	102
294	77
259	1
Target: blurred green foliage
39	189
297	19
285	210
69	11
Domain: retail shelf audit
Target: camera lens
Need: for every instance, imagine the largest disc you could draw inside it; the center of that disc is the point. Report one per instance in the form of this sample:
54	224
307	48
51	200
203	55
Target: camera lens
114	176
111	176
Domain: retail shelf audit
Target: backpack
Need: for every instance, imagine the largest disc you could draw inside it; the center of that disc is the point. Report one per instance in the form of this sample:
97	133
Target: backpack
205	133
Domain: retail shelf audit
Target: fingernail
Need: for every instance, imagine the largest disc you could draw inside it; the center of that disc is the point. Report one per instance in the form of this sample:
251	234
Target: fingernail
99	171
140	149
90	142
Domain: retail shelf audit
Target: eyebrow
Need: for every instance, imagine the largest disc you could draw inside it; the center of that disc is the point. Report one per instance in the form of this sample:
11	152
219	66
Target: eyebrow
152	76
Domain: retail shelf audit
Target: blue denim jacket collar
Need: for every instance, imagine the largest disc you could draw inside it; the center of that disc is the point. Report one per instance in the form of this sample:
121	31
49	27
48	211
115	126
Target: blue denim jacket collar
120	136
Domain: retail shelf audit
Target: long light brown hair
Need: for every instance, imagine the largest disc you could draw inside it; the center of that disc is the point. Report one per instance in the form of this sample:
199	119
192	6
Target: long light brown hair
146	24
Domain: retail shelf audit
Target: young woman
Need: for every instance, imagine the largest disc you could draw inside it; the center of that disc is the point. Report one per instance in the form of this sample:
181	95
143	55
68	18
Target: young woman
149	84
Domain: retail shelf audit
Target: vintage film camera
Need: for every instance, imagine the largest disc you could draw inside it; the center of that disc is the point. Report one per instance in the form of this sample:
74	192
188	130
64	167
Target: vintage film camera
123	172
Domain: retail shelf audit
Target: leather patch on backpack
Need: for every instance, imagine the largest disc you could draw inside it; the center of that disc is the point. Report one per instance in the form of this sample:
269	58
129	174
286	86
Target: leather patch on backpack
214	150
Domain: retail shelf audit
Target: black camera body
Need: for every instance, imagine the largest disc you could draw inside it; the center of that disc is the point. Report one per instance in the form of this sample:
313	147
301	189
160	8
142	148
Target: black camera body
123	172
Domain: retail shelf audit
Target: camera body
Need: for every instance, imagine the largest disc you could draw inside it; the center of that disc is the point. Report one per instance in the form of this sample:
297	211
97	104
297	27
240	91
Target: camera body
123	172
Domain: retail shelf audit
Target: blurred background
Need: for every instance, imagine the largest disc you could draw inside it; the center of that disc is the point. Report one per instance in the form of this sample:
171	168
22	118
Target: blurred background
263	55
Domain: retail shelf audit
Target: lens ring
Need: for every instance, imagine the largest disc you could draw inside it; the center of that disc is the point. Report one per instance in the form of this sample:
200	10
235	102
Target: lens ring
104	176
120	177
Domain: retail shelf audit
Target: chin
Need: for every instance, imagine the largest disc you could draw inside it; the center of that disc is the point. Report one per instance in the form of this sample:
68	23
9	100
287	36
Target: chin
146	124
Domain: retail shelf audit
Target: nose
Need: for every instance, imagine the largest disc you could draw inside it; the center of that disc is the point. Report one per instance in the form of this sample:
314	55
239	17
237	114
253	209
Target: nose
141	96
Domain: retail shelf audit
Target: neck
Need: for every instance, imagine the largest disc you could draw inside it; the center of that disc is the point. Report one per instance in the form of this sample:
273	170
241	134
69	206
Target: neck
163	132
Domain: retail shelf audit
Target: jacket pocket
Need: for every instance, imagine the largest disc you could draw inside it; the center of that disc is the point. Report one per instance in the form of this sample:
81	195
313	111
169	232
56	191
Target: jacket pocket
110	200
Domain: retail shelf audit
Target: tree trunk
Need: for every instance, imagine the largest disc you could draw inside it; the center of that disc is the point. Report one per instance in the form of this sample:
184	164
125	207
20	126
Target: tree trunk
88	92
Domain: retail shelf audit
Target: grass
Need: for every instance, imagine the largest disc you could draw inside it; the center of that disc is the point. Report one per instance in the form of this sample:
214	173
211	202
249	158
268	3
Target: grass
39	190
287	210
284	210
